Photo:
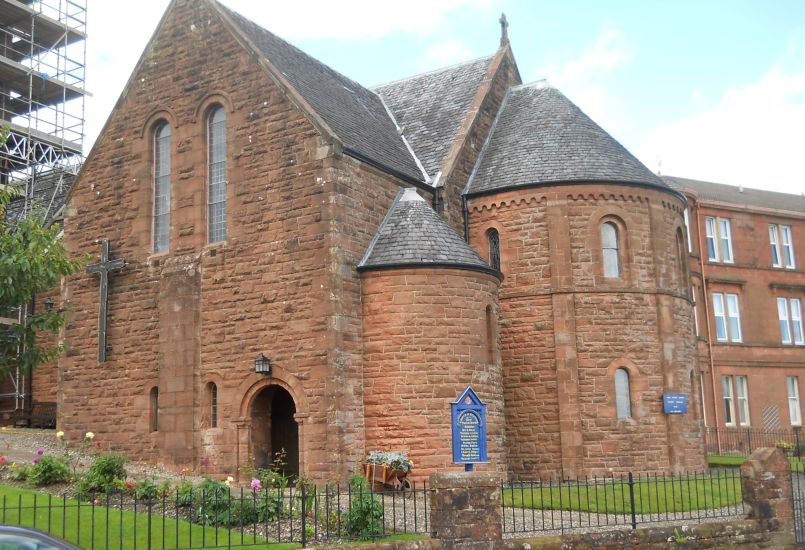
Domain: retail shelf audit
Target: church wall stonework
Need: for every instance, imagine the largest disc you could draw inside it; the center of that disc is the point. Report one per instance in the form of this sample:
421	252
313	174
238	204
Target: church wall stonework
425	341
559	366
262	291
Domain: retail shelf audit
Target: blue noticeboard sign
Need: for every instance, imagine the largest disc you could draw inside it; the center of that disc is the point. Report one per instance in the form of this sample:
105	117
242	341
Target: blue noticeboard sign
469	428
675	403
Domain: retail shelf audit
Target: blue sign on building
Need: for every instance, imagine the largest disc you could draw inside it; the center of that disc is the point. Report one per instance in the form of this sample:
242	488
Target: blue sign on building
469	429
675	403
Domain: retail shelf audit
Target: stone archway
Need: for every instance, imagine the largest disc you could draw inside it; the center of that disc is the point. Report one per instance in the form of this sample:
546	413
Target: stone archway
274	429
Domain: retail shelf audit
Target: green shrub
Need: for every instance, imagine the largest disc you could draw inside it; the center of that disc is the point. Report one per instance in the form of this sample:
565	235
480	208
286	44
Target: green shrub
20	473
214	504
364	517
49	471
106	472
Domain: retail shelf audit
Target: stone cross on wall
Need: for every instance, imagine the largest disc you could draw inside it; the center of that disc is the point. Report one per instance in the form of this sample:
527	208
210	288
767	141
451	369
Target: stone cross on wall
103	268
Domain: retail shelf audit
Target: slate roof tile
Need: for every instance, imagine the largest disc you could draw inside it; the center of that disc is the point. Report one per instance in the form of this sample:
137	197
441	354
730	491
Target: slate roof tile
413	234
540	136
356	115
430	107
739	196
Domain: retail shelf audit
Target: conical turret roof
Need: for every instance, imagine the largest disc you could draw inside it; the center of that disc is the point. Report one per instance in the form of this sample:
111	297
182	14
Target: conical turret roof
413	235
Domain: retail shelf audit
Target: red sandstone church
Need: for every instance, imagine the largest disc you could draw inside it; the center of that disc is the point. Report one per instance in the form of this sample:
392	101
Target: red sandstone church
314	266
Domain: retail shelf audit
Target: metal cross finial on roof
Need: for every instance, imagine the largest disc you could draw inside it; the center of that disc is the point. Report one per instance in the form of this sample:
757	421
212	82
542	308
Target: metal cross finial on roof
103	268
504	30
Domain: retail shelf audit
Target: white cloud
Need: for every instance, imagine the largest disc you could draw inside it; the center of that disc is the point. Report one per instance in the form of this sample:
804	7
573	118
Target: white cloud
753	136
357	19
444	53
585	78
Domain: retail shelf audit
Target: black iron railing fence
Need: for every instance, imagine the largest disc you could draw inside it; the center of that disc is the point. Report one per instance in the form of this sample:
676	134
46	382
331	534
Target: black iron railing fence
742	441
223	519
625	501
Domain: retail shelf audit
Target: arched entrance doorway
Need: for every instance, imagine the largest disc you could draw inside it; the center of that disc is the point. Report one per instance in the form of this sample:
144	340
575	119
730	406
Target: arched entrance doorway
274	430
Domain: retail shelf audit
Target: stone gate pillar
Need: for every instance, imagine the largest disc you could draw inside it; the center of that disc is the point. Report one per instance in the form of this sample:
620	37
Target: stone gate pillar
465	510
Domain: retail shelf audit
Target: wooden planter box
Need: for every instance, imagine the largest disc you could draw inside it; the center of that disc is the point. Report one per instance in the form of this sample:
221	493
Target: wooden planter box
383	478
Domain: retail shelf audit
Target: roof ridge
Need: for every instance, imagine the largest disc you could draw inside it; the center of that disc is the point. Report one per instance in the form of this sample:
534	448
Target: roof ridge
536	84
380	227
431	72
732	185
232	12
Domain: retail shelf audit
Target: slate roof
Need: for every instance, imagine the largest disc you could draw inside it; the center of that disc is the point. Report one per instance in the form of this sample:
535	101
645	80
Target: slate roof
540	136
356	115
414	235
738	196
430	107
50	192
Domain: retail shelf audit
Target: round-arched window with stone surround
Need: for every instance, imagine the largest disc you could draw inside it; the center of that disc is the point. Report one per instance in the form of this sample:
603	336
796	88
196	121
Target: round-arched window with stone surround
153	419
623	394
611	250
212	403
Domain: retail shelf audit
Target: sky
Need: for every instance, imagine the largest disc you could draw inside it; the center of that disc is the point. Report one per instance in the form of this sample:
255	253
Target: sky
704	89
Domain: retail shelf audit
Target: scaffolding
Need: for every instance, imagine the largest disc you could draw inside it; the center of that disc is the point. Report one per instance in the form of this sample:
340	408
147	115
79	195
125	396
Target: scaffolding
42	75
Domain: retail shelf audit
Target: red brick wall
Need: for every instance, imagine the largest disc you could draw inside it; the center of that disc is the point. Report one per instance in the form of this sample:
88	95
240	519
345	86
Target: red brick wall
565	328
761	356
425	341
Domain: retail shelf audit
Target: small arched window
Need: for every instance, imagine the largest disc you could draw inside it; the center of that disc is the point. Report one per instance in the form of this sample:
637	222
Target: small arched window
216	159
494	248
162	187
154	409
213	396
623	397
611	250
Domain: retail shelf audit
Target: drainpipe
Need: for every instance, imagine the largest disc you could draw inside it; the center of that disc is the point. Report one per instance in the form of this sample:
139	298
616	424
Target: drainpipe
706	300
466	213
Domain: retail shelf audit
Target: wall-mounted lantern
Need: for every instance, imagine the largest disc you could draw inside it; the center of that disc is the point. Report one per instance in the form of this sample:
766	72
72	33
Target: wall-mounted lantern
262	365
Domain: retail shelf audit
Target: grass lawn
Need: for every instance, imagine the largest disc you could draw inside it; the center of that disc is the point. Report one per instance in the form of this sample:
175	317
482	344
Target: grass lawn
721	461
651	495
113	528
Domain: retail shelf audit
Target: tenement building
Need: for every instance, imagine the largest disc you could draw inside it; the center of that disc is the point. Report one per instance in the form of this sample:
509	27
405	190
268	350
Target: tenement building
288	260
746	250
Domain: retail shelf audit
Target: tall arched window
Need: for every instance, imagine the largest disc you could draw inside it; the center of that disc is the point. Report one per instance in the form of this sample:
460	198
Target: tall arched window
162	187
216	158
154	409
611	250
213	395
494	248
682	259
623	398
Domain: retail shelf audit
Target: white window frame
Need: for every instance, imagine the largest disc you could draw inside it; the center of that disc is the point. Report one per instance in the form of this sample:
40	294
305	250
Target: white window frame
686	215
728	400
792	391
718	233
789	262
782	246
776	248
695	312
726	312
789	313
742	399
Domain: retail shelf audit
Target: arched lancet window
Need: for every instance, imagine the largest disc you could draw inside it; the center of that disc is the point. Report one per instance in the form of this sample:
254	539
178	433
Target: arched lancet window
162	187
494	248
154	409
491	335
216	173
623	397
213	396
611	250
